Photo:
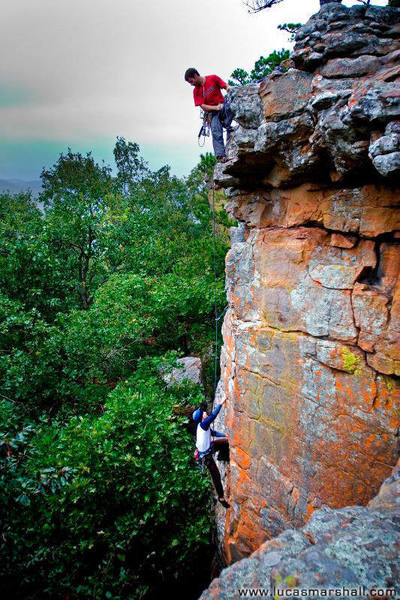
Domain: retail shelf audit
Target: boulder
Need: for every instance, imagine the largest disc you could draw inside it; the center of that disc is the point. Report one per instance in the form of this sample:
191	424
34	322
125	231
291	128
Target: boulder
189	368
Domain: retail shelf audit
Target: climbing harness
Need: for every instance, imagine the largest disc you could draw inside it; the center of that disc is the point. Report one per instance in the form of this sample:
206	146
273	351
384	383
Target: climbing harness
201	458
204	130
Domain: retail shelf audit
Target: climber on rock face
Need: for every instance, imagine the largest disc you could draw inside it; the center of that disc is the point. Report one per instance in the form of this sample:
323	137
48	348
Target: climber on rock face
207	94
205	447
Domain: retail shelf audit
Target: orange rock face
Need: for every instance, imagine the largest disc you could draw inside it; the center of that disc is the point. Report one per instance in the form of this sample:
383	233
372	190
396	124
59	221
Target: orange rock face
311	358
311	340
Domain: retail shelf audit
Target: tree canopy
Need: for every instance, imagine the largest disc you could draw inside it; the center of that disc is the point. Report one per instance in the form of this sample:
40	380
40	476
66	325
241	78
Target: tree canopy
262	67
101	291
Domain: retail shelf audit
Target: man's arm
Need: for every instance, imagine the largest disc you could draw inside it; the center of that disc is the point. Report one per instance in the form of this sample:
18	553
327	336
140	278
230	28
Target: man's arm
207	422
209	108
217	433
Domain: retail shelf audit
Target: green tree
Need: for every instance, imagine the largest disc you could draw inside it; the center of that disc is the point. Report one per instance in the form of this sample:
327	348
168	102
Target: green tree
30	272
31	358
103	278
291	28
96	475
80	201
201	176
262	67
131	166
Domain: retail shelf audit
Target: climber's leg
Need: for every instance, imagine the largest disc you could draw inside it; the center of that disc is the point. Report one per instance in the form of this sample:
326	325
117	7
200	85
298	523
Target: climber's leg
221	445
215	475
217	135
226	115
219	442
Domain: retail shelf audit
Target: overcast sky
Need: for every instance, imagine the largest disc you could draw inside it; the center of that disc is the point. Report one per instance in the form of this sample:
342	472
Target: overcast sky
79	73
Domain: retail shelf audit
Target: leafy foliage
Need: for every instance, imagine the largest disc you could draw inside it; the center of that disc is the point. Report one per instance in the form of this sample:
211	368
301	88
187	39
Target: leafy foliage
131	166
99	291
99	507
78	196
201	175
115	269
262	67
291	28
30	270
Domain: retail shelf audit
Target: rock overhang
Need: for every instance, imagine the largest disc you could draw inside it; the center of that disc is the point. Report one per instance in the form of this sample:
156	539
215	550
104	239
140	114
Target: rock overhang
333	116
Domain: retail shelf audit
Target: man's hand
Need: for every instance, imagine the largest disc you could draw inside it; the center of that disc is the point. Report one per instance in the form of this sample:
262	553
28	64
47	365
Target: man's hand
208	108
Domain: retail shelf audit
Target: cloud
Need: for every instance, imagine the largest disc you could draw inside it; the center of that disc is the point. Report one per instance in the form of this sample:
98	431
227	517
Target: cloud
78	71
14	95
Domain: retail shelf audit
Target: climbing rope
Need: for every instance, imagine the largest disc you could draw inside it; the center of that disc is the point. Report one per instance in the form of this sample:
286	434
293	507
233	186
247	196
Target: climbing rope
215	290
217	318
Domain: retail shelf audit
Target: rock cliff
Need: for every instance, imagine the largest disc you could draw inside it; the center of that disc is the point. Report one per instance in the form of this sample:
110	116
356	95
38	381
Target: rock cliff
311	355
354	548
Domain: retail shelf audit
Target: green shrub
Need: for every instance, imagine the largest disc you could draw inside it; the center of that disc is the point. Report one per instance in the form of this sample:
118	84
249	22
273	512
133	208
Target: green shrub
105	507
99	497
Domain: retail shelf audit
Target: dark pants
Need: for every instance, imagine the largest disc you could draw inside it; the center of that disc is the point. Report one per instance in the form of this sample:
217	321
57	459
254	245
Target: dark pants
219	120
222	445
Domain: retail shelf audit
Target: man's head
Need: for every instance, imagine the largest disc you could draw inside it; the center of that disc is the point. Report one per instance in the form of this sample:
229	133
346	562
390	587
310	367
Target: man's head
200	414
193	77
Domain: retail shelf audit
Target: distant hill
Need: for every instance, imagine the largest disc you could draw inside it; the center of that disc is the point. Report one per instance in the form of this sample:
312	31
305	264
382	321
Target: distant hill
19	185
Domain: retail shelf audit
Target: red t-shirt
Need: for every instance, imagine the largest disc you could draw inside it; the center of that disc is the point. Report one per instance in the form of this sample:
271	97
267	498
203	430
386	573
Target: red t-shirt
210	92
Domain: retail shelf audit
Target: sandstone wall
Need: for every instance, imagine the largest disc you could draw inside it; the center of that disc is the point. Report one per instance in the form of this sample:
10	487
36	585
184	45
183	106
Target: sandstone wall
311	356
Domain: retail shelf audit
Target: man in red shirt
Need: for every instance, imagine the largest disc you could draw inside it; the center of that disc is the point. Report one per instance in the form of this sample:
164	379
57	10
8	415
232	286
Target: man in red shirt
207	94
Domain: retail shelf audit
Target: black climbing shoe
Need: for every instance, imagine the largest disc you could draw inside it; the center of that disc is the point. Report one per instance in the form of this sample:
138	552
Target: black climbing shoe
223	455
224	503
